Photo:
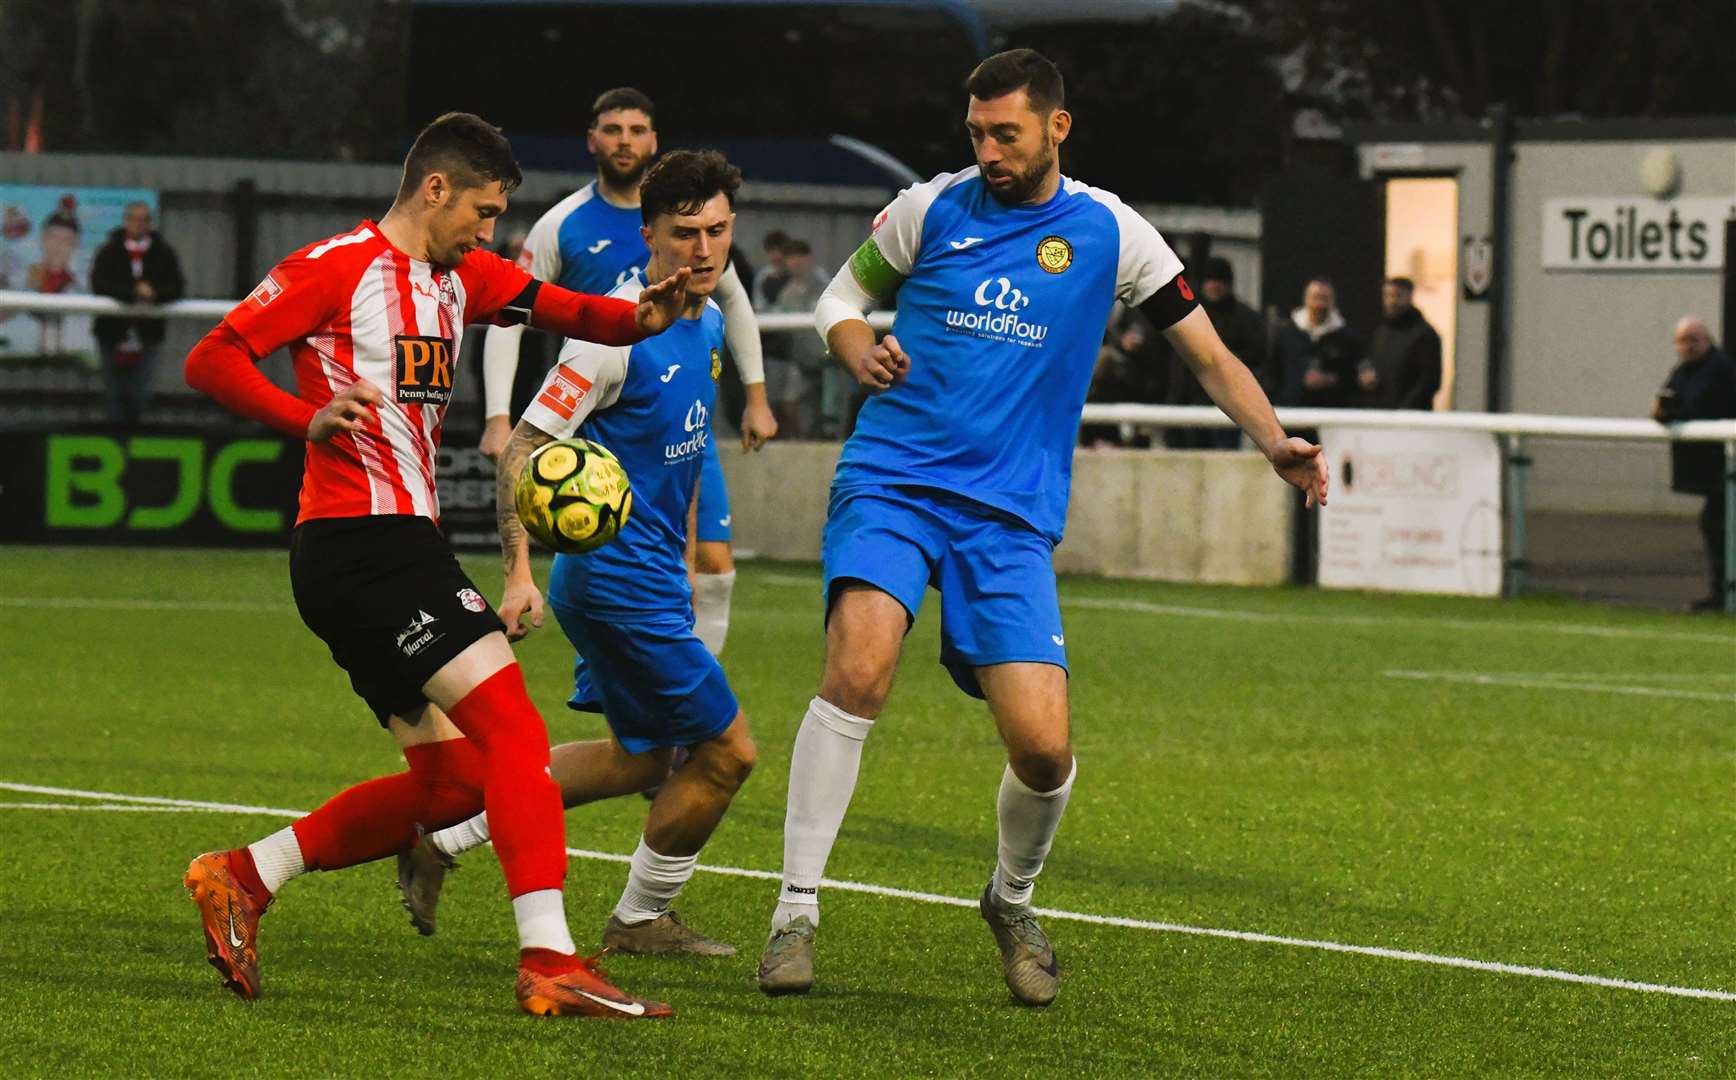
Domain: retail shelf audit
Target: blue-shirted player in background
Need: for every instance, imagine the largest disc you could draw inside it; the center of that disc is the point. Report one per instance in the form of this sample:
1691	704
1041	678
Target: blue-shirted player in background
957	475
627	606
590	242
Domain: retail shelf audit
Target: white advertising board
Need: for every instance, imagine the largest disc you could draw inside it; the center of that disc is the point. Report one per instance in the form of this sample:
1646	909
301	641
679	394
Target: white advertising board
1412	511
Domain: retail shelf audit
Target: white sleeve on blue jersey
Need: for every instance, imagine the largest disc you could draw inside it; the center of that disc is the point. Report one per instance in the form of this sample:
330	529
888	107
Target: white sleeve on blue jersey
898	229
1147	264
740	328
541	255
587	378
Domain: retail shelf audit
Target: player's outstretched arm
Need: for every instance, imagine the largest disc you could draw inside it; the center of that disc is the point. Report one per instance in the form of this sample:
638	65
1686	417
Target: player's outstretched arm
1235	390
521	605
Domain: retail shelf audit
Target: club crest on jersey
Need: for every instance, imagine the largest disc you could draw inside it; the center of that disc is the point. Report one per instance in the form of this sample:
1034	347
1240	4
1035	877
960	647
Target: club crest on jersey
1054	254
716	365
424	369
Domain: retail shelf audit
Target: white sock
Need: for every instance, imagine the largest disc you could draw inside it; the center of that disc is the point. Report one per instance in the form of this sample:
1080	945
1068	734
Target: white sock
1028	822
542	921
711	608
278	858
652	884
823	771
459	838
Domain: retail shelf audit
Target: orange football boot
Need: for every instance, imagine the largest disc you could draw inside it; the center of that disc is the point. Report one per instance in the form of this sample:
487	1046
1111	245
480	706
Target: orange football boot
582	991
231	917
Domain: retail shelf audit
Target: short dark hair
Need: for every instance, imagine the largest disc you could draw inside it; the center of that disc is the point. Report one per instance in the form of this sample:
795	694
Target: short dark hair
798	247
469	150
1402	282
682	181
776	240
1218	268
1019	69
623	97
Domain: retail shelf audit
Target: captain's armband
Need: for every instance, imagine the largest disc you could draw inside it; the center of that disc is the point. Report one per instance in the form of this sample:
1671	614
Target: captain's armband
877	277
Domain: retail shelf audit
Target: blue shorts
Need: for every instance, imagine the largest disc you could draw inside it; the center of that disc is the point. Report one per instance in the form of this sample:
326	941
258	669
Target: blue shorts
996	574
651	679
713	498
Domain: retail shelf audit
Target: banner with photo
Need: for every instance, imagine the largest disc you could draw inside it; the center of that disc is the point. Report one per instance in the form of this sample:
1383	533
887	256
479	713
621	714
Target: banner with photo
49	235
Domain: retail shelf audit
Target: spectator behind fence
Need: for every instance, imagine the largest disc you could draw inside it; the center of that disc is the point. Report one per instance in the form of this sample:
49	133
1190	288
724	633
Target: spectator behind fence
1242	329
1133	367
1701	387
771	279
1315	358
1403	368
810	394
135	265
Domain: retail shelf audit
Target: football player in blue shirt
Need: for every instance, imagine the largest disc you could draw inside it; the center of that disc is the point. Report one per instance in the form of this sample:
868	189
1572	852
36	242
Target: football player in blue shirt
957	477
590	242
627	607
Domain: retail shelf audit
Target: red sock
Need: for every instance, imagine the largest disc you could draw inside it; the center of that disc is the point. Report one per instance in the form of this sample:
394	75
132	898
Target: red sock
246	873
547	961
524	805
380	817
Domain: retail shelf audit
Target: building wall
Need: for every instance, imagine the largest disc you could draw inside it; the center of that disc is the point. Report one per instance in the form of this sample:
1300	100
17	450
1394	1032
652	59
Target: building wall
1580	343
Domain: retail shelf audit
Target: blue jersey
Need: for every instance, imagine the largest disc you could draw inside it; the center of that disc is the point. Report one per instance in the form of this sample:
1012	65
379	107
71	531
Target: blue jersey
1001	310
649	404
586	244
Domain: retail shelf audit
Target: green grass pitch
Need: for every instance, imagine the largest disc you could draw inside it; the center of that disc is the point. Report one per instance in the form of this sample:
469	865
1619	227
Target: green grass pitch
1246	762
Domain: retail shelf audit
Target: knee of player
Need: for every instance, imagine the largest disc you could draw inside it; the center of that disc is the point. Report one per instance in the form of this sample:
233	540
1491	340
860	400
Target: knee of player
738	764
1042	767
857	685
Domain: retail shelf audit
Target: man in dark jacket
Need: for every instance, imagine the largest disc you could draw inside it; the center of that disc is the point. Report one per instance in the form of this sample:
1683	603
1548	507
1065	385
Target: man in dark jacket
136	265
1242	329
1701	387
1315	357
1403	369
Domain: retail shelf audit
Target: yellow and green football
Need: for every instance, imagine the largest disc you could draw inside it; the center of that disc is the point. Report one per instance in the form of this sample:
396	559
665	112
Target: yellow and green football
573	496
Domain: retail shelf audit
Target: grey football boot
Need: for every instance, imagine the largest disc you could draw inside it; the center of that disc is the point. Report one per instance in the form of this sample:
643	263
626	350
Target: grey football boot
787	965
421	872
663	935
1027	961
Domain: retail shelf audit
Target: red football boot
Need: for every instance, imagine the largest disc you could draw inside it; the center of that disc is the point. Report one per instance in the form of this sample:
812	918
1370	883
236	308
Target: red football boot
580	990
230	911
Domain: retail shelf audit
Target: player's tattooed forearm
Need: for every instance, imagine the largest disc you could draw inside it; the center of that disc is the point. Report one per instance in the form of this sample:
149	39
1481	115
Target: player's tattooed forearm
512	535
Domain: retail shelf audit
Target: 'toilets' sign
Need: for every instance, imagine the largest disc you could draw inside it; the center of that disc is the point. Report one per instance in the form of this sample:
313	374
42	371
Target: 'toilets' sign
1628	234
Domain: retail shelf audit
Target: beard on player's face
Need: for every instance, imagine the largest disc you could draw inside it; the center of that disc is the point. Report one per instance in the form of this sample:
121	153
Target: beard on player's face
1026	180
612	172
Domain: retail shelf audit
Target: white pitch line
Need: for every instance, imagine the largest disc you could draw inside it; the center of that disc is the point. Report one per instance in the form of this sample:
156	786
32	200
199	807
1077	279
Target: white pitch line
135	807
1489	678
1105	603
1050	913
1515	625
153	800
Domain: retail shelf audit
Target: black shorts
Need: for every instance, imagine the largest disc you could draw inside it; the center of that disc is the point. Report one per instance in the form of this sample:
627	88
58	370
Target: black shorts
387	596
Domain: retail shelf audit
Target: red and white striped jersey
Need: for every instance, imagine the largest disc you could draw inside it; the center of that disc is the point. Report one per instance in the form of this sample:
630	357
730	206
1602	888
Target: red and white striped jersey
355	307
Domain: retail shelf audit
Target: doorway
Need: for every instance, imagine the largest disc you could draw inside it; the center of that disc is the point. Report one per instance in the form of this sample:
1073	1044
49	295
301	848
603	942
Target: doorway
1422	243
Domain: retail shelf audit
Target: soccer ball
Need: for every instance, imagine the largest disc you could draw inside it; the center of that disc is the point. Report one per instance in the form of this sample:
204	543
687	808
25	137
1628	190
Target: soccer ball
573	496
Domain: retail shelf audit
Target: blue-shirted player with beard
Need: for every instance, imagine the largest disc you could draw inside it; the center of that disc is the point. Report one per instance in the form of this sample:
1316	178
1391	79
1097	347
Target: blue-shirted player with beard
590	242
627	606
957	478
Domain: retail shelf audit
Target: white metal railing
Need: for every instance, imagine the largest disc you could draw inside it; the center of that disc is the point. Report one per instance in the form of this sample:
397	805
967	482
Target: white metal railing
213	310
1512	429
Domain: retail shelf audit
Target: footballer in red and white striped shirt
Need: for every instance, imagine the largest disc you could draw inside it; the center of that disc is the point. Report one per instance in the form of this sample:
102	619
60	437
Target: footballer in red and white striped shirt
374	319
